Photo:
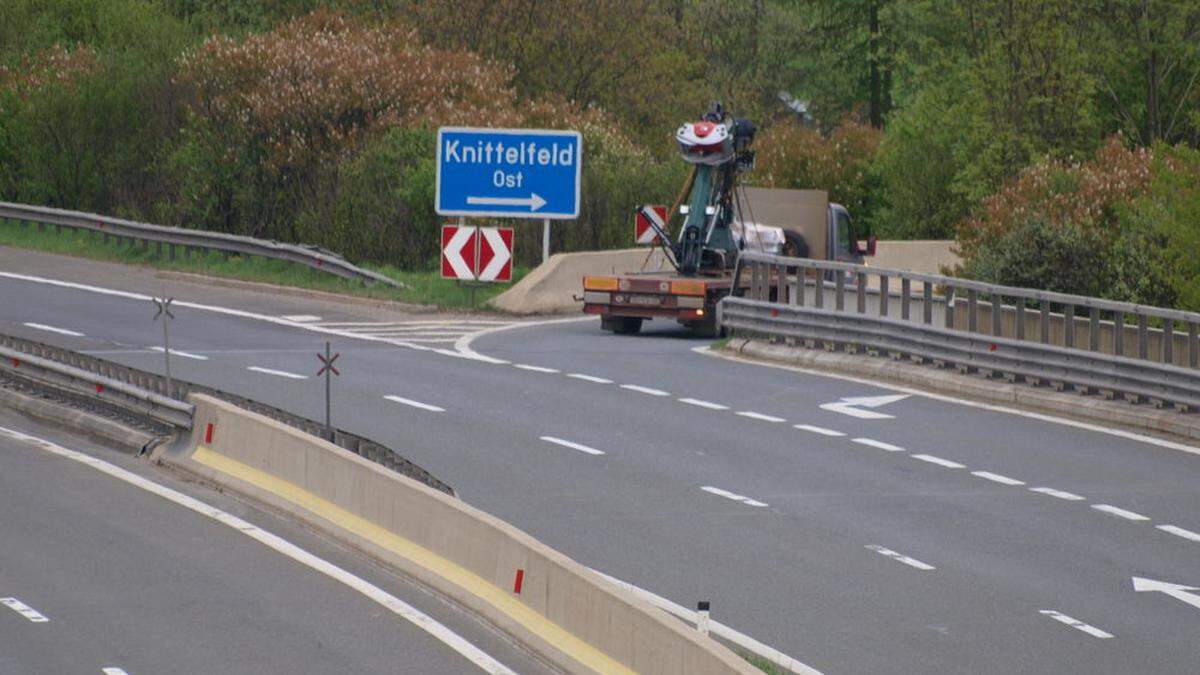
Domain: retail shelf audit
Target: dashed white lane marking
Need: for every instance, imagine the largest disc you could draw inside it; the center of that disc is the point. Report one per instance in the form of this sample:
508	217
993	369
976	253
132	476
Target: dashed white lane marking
52	329
589	378
645	390
933	459
278	373
997	478
176	352
535	369
911	562
113	671
574	446
818	430
734	496
704	404
1076	623
301	318
1069	496
1180	532
1120	513
415	404
761	417
24	610
286	548
878	444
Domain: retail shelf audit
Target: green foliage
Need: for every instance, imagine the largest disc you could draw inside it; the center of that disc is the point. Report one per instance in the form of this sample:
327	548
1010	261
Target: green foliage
1170	214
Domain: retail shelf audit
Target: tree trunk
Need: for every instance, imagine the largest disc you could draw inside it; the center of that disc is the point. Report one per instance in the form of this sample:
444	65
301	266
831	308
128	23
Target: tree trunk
873	56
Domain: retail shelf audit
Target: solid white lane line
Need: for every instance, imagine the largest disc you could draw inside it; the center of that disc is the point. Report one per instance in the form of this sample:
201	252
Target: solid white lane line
645	390
279	373
1076	623
113	671
536	369
415	404
176	352
734	496
878	444
589	378
704	404
573	446
1069	496
939	461
52	329
997	478
283	546
301	318
24	610
1120	513
759	416
1180	532
818	430
911	562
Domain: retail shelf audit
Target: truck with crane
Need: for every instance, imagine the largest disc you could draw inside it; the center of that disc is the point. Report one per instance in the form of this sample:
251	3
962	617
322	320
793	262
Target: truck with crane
720	218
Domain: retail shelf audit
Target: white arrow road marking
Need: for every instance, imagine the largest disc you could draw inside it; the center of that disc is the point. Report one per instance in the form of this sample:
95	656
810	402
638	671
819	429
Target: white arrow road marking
24	610
1076	623
818	430
415	404
911	562
52	329
1120	513
279	373
500	254
734	496
878	444
1069	496
1177	591
453	252
574	446
851	406
1180	532
534	202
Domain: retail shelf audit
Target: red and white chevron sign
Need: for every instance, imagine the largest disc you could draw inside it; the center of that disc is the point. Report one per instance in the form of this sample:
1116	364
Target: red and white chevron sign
472	253
643	232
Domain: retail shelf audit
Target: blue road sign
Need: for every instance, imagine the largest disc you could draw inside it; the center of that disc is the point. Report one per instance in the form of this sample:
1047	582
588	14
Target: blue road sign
509	173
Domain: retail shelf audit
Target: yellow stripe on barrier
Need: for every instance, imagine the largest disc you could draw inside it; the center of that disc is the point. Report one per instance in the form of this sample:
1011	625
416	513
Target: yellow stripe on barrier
454	573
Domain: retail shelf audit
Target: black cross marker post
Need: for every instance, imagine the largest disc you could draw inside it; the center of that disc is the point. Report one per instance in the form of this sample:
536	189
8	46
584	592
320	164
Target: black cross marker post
164	308
328	370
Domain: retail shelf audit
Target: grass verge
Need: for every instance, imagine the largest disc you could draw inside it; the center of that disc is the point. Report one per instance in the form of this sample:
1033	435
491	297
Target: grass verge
764	665
424	288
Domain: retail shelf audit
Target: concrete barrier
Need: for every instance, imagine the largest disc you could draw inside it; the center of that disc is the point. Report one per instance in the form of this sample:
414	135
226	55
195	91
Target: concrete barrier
928	256
569	615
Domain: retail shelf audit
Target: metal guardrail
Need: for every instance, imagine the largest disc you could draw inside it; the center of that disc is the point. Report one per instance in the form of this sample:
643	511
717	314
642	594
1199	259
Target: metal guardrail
191	240
1092	344
145	394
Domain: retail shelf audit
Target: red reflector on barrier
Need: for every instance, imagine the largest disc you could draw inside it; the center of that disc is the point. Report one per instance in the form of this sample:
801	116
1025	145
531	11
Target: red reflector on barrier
16	363
208	432
519	580
992	348
99	389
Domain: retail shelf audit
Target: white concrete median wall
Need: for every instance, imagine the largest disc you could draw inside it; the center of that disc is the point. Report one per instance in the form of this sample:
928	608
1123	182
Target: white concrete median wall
566	613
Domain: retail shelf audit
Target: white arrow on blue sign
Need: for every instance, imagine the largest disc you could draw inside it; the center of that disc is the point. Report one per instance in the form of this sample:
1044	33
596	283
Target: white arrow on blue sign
508	173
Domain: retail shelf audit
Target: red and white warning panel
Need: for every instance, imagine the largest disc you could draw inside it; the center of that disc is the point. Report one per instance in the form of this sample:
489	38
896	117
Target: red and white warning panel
645	221
472	253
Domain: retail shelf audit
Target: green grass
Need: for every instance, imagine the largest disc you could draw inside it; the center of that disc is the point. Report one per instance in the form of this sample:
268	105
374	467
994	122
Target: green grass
763	664
424	288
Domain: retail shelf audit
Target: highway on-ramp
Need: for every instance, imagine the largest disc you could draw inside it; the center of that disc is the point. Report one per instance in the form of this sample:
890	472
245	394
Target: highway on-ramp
857	528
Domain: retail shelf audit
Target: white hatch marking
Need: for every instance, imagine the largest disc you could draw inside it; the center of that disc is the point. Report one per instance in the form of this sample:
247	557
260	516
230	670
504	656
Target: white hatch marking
1180	532
52	329
997	478
278	373
1076	623
704	404
535	369
1120	513
818	430
589	378
933	459
186	355
574	446
645	390
878	444
911	562
283	546
415	404
761	417
301	318
24	610
1069	496
734	496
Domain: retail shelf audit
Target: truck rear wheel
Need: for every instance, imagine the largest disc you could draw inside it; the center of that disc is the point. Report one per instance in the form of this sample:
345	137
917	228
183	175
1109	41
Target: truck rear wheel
794	245
621	325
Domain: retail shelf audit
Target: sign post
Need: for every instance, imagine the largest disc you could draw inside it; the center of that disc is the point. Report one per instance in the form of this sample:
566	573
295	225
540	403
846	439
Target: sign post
328	370
164	311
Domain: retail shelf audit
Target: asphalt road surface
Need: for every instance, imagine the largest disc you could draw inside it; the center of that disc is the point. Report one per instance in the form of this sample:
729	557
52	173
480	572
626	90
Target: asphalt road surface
921	535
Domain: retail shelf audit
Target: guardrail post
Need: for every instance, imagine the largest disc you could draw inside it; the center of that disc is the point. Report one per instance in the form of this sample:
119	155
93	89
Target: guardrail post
1068	325
1045	322
972	310
840	297
927	302
1168	341
1019	317
819	298
884	294
1119	334
950	307
997	315
171	252
861	292
781	286
1143	337
1193	348
905	289
1094	328
797	294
